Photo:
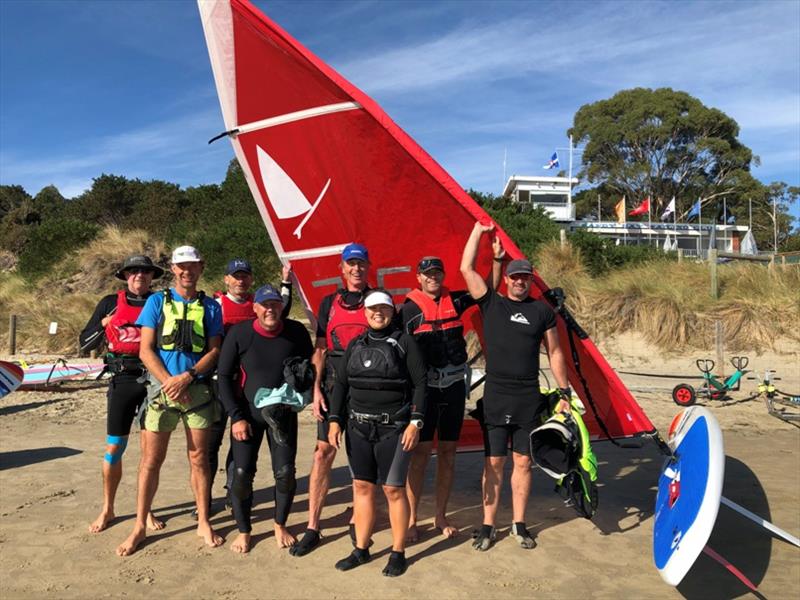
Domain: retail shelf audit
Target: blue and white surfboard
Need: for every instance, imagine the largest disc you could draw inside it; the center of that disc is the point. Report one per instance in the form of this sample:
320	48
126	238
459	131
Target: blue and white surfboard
689	492
10	377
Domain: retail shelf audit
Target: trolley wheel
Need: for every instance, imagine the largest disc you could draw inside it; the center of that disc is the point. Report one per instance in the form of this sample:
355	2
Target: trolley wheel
683	394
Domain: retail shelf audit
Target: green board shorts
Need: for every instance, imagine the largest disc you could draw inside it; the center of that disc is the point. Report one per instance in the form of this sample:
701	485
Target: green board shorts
201	412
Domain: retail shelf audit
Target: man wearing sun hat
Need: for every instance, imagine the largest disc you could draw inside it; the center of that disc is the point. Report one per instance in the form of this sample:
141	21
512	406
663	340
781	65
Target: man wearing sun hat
114	319
181	336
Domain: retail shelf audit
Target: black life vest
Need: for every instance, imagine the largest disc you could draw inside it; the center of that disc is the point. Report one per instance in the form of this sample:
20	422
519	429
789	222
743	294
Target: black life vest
377	363
441	332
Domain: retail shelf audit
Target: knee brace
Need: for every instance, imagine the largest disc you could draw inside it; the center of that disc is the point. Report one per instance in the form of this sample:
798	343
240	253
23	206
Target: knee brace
121	442
242	484
285	481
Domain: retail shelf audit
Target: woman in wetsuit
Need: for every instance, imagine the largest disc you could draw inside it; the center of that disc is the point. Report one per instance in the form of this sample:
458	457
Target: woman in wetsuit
380	395
256	351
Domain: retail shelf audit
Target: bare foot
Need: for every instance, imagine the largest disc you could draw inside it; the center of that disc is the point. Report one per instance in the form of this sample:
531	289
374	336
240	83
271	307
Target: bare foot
101	522
283	537
130	545
211	539
412	535
241	544
153	523
442	525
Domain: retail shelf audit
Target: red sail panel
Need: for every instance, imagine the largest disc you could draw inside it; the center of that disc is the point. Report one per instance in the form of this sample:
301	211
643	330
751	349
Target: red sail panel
343	171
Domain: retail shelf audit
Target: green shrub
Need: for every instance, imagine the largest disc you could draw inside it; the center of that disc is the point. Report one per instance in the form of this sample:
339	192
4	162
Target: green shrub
51	241
601	255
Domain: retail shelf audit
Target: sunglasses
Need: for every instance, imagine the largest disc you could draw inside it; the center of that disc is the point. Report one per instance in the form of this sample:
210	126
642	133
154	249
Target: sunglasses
429	263
518	276
137	270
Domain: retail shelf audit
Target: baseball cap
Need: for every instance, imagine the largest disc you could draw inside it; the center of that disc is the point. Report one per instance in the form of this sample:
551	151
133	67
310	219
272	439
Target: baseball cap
427	263
139	261
238	264
378	297
267	293
355	252
184	254
520	265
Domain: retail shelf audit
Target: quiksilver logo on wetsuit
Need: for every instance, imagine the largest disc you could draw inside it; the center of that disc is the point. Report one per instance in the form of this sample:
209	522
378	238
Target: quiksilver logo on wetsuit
519	318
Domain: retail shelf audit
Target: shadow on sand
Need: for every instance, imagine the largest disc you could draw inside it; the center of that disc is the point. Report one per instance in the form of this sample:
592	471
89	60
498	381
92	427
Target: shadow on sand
23	458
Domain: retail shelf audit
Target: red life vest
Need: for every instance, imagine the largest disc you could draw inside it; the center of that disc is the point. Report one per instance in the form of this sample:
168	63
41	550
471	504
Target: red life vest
440	333
235	312
344	323
122	335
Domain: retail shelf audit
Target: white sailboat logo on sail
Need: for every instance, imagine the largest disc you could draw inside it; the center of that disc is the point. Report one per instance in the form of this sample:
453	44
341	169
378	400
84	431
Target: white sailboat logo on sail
286	198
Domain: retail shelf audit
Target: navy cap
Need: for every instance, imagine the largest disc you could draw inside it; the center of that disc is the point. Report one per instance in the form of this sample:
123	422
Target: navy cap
238	264
267	293
355	252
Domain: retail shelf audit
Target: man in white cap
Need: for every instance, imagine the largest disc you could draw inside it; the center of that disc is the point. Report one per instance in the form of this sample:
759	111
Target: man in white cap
181	335
514	327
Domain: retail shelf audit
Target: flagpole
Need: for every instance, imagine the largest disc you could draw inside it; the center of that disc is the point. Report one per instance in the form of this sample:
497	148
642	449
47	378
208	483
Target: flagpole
675	221
725	222
775	221
649	223
569	182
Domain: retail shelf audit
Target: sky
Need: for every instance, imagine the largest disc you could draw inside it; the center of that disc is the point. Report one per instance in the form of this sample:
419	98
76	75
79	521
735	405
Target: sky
125	87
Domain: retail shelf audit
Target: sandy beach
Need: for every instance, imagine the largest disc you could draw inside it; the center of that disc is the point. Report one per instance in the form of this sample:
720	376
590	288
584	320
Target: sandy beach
50	490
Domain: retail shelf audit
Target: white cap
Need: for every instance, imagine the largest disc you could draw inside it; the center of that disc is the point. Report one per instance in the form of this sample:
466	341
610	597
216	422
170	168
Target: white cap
184	254
376	298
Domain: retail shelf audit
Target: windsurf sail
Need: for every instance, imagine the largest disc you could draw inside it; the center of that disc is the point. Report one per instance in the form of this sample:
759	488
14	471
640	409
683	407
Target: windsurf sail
326	167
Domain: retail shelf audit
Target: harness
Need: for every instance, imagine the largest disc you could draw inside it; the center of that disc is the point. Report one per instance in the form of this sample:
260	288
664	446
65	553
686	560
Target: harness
376	363
441	331
234	312
345	322
182	332
122	334
378	426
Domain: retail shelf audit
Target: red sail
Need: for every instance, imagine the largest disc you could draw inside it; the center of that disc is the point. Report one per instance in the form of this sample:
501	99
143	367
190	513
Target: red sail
326	167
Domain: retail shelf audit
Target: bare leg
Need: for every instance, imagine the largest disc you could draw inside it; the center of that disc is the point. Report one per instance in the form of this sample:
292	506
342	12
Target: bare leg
416	476
154	452
112	474
520	485
398	515
492	478
153	523
445	467
319	482
364	512
197	450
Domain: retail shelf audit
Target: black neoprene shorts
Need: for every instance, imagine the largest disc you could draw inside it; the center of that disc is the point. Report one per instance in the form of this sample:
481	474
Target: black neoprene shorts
444	413
375	453
497	437
125	396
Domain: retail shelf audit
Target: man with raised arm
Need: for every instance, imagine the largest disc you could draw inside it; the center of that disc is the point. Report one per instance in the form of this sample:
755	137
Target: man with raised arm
181	332
514	327
340	319
432	314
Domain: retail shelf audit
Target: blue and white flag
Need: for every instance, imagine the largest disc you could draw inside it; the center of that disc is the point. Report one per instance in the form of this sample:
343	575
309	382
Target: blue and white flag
694	212
553	162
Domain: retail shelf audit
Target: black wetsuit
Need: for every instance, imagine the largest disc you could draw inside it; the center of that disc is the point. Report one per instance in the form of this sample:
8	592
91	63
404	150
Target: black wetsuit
125	393
256	358
374	448
512	404
444	414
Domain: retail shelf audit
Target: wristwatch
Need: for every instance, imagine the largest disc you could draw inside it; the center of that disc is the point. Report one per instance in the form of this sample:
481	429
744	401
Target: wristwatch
417	423
193	373
566	393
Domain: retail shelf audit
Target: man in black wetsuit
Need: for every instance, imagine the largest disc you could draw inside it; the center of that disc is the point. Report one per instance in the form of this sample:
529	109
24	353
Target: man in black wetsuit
380	394
514	326
432	314
114	320
257	349
339	320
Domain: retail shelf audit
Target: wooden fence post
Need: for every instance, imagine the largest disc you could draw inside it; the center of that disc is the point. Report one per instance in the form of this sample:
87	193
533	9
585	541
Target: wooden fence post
712	260
12	334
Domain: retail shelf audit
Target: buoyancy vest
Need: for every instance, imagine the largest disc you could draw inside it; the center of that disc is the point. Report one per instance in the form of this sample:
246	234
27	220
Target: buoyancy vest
345	322
377	363
441	332
181	327
235	312
122	334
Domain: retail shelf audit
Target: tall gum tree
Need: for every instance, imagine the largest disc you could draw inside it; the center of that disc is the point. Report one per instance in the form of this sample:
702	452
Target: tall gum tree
661	143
